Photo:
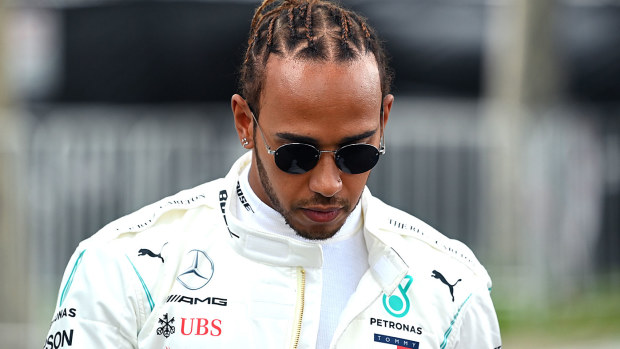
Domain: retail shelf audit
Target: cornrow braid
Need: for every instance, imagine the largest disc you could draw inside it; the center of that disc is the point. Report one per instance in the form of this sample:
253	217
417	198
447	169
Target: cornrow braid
365	30
308	23
291	17
314	30
345	27
270	35
258	14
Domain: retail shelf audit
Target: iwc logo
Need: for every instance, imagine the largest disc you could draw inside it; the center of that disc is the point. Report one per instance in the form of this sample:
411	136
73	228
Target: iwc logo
199	272
398	305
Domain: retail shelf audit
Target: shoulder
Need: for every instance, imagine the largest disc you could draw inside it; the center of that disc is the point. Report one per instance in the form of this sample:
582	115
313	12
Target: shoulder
419	243
178	211
132	250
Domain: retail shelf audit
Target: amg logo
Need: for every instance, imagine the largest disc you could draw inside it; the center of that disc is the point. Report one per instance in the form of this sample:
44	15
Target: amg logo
177	298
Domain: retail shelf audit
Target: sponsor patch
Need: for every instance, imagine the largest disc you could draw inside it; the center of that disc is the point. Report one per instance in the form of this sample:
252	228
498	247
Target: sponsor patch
399	343
199	272
437	275
59	339
395	325
65	312
242	198
398	305
177	298
166	328
147	252
201	327
223	196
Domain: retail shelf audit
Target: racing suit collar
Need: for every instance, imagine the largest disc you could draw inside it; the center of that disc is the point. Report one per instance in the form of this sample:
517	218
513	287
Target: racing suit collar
262	246
386	266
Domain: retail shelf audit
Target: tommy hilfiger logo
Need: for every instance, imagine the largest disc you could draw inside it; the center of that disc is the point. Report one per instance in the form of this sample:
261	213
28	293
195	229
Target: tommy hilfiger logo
437	275
400	343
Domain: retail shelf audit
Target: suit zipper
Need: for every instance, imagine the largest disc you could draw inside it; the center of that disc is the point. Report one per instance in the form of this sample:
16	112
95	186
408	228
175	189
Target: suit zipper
299	307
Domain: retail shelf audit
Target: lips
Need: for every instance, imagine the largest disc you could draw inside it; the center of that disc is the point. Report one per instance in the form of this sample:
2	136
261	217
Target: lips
320	215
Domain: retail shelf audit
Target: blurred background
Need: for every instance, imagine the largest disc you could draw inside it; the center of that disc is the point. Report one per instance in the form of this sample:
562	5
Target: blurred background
505	134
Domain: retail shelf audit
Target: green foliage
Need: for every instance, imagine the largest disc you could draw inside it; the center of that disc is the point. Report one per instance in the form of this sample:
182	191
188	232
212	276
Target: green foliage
592	316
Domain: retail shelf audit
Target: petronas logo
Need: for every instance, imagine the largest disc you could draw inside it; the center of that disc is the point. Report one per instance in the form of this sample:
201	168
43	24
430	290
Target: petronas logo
398	305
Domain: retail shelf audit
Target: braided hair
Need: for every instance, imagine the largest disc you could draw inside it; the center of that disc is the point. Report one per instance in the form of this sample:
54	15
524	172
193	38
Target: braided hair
313	30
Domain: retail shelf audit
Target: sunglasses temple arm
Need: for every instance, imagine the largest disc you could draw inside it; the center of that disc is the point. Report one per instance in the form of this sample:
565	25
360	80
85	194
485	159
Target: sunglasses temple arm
382	140
269	151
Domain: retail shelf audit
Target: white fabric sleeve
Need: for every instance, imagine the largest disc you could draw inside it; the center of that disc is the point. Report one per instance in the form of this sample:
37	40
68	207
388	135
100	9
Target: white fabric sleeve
97	306
477	326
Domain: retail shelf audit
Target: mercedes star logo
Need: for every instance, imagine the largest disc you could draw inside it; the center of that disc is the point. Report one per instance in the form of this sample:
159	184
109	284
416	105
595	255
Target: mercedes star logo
199	273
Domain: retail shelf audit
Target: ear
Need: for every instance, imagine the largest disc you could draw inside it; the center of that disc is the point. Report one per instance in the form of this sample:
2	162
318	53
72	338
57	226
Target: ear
388	100
243	120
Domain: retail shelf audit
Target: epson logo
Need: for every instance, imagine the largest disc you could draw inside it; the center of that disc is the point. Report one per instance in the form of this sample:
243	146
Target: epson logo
177	298
59	339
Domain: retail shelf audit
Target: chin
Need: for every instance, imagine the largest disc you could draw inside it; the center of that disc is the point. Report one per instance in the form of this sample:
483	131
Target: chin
317	234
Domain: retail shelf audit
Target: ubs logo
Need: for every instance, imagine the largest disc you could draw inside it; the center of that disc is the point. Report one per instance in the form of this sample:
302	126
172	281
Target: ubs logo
201	327
166	328
199	272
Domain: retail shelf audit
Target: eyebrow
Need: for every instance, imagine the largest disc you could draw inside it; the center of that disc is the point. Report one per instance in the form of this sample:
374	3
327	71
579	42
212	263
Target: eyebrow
294	138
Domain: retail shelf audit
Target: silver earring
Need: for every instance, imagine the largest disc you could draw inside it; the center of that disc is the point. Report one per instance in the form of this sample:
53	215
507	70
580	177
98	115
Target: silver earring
244	141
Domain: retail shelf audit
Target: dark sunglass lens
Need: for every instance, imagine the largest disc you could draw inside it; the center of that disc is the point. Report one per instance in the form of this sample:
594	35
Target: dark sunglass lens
296	158
357	158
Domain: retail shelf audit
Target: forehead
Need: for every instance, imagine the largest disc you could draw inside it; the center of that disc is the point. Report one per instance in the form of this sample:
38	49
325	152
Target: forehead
310	93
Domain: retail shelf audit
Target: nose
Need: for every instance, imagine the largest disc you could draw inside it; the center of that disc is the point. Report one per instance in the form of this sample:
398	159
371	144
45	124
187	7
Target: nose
325	176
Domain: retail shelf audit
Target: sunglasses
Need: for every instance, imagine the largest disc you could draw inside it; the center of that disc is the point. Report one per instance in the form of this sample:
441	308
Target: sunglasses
298	158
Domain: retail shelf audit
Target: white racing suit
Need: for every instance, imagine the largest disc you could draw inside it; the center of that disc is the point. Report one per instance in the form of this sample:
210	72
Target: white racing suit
185	273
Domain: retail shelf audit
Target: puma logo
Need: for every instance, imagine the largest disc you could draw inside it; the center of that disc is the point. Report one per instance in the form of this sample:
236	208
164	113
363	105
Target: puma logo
437	275
147	252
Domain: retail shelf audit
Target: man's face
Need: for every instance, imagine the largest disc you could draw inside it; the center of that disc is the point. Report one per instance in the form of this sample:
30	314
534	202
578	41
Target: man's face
327	105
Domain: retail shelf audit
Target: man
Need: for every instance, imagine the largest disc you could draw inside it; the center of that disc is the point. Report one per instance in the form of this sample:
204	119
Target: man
289	250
